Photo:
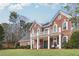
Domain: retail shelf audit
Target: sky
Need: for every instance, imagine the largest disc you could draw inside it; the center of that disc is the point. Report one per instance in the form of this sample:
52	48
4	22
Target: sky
40	12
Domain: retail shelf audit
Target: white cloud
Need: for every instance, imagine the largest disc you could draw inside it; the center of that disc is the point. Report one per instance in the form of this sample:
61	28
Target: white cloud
36	6
50	5
3	5
20	6
17	7
25	4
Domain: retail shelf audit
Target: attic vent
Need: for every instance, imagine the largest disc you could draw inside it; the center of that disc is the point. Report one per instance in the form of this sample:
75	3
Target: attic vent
59	17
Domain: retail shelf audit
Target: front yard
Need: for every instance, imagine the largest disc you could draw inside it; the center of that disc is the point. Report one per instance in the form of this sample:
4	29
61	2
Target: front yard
41	52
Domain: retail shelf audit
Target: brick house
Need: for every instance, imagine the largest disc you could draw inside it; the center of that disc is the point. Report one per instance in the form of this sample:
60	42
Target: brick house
52	34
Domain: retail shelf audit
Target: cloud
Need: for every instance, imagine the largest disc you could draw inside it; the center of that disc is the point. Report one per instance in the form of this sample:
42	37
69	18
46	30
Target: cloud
36	6
17	7
50	5
20	6
3	5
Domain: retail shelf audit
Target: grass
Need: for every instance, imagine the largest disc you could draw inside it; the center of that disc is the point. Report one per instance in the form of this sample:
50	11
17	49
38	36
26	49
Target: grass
40	52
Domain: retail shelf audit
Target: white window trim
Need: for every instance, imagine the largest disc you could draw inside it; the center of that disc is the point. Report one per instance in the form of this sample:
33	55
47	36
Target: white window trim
56	28
66	25
66	38
38	29
32	31
46	29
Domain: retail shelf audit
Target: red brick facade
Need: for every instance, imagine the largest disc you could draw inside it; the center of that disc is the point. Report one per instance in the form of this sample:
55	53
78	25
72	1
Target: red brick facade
61	20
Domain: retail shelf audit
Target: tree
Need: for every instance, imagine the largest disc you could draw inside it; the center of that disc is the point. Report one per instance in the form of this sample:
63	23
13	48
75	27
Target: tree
73	10
13	28
27	26
13	16
18	23
74	40
7	35
1	35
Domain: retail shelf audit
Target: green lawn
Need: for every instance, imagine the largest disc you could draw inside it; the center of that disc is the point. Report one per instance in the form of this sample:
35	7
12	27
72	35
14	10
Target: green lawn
41	52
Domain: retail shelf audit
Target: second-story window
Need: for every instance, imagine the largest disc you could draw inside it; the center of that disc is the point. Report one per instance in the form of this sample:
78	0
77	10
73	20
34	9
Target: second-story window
32	31
55	28
38	30
65	25
46	30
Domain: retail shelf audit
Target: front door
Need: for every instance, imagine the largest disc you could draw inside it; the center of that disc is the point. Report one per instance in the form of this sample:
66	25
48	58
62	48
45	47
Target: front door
45	44
55	42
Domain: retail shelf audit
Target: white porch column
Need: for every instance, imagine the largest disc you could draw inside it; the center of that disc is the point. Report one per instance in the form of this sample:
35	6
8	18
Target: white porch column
37	40
48	39
31	40
59	37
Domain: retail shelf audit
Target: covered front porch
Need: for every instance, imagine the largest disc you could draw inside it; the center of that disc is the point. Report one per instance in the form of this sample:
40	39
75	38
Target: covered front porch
46	42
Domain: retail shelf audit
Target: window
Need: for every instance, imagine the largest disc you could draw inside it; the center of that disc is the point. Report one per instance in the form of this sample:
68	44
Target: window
55	28
32	31
38	30
45	30
65	25
65	39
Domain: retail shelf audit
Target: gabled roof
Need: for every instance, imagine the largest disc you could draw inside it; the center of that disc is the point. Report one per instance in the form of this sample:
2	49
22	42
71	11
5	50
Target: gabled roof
47	24
34	24
63	13
50	23
59	12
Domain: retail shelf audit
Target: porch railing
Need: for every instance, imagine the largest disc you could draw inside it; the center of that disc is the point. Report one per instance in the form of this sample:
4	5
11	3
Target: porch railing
44	33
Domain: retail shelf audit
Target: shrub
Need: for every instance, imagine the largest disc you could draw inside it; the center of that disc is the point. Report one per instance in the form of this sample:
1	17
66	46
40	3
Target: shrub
66	45
24	47
0	46
74	40
28	46
17	45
